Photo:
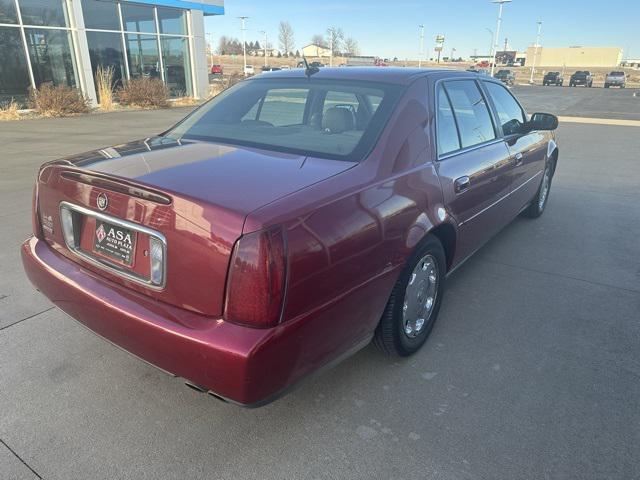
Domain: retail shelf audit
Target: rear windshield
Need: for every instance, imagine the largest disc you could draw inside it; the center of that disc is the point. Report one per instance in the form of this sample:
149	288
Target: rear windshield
325	118
617	73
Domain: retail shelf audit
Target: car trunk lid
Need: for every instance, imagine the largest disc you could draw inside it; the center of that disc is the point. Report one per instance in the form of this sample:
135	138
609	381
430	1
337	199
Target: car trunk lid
188	198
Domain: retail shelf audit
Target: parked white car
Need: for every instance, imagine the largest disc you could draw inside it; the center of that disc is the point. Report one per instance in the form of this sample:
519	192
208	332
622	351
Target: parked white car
248	70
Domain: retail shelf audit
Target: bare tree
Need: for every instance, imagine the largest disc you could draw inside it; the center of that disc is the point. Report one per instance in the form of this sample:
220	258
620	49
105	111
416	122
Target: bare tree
285	36
335	37
351	47
318	39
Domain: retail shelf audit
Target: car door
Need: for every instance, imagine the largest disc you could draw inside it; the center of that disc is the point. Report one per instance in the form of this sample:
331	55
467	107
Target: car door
473	163
528	149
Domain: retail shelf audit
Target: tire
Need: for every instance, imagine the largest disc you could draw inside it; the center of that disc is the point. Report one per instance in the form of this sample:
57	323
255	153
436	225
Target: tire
606	85
570	84
391	335
539	202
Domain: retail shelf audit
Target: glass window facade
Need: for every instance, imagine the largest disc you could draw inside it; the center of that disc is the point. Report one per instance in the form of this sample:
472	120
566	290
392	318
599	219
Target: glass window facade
47	13
14	76
154	43
105	49
137	40
8	11
143	55
51	57
172	21
100	14
138	18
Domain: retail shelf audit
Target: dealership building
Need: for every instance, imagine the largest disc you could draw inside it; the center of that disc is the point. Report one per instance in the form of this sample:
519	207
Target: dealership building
64	41
584	57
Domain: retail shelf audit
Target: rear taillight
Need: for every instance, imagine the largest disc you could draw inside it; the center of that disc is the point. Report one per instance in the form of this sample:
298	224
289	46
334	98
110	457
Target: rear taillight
256	279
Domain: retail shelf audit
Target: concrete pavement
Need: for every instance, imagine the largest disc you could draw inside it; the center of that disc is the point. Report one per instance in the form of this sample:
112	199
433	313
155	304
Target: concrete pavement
532	370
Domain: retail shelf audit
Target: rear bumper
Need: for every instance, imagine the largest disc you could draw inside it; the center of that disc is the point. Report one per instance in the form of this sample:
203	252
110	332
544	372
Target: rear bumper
244	365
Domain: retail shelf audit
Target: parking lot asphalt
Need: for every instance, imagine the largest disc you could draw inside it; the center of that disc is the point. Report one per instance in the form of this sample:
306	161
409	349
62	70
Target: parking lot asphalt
581	101
532	371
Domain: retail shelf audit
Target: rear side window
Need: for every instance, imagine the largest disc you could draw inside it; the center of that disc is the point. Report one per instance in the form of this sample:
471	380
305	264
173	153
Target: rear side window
471	112
509	112
447	132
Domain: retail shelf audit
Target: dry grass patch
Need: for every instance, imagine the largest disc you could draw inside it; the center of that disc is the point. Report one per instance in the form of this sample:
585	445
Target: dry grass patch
104	86
58	101
10	111
144	92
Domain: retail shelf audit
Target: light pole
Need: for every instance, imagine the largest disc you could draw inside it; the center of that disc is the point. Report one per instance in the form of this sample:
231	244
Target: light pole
421	27
535	51
265	47
331	31
209	35
495	43
490	41
244	44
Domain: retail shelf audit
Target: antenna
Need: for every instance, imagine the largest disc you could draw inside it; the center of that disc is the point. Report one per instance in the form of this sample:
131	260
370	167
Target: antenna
309	70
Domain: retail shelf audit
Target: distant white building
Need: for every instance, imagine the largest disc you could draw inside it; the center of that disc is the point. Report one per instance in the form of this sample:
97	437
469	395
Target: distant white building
313	50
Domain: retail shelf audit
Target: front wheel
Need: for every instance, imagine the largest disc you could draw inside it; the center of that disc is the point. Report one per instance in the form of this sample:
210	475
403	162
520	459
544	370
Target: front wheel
414	303
539	202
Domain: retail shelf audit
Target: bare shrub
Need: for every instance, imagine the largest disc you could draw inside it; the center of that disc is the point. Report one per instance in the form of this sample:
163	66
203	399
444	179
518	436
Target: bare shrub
144	92
58	101
104	86
9	110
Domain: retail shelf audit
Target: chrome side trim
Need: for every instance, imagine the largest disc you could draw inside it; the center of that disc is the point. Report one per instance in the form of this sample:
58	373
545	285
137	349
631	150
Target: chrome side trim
499	200
110	266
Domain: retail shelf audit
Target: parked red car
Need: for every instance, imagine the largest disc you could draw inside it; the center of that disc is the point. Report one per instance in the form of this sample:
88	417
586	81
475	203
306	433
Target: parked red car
216	70
288	222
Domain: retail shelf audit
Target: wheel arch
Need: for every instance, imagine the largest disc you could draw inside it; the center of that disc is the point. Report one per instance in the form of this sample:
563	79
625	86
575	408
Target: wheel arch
446	233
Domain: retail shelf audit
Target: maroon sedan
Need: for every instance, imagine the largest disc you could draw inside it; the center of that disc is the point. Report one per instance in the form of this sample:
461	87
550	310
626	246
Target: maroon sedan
288	222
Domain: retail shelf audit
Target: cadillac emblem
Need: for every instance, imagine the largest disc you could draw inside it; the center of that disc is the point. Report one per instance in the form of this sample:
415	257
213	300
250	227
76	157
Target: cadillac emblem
102	201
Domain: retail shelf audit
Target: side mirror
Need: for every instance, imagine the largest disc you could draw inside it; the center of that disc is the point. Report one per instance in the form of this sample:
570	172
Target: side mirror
543	121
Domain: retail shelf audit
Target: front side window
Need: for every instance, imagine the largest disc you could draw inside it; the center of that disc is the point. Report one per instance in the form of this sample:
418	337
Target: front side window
447	132
331	119
509	112
471	112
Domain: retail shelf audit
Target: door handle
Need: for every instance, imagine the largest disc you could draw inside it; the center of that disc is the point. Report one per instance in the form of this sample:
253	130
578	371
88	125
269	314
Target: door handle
518	157
461	184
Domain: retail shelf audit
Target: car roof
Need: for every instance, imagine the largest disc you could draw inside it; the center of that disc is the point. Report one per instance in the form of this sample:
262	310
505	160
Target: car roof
397	75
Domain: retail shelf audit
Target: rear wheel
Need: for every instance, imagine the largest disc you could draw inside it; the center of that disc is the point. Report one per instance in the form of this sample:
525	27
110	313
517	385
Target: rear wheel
414	303
606	85
539	202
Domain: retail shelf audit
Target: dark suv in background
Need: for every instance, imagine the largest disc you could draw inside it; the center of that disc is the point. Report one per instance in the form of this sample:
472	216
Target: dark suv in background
581	77
506	76
553	78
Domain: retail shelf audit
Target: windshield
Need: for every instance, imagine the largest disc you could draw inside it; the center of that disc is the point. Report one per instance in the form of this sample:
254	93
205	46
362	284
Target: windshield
325	118
617	74
504	72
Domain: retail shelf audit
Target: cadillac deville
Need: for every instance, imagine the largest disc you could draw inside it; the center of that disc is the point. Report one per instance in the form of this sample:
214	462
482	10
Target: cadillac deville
288	222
